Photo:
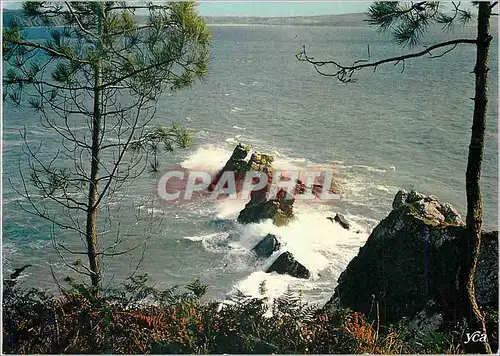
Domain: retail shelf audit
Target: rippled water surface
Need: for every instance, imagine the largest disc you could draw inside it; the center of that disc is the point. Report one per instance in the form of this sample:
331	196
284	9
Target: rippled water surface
387	131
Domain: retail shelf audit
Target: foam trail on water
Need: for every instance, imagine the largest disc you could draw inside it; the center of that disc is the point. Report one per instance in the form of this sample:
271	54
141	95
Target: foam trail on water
201	237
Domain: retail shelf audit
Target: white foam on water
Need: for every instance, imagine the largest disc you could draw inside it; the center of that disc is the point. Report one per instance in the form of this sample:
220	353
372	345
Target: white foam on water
217	242
151	210
208	157
231	140
274	285
323	247
382	188
229	208
239	128
201	237
284	163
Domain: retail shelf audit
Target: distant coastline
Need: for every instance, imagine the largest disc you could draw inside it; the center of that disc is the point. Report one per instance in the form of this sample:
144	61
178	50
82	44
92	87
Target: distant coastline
341	20
320	20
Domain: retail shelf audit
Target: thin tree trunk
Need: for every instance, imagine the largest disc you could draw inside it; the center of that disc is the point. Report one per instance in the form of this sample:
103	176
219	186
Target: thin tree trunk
92	209
474	204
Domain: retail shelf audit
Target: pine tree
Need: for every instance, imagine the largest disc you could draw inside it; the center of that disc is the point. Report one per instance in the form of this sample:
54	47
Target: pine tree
105	67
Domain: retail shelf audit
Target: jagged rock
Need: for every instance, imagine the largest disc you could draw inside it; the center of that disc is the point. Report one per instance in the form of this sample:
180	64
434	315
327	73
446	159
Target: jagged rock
342	221
260	207
399	199
426	321
236	163
487	270
428	207
267	246
280	210
410	265
451	214
286	264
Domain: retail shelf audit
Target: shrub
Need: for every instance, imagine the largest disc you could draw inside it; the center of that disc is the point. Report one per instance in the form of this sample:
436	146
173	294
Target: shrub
140	319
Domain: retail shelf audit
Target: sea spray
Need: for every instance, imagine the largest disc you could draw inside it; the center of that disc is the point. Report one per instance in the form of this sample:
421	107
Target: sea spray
323	247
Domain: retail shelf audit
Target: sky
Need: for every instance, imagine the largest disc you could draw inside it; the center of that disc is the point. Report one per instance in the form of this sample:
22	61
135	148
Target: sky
265	8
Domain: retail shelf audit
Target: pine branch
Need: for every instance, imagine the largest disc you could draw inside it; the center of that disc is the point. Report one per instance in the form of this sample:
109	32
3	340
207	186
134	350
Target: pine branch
48	50
344	72
80	26
20	81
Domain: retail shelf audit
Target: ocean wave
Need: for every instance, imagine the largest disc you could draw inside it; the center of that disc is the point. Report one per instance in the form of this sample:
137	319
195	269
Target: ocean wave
325	248
208	157
370	168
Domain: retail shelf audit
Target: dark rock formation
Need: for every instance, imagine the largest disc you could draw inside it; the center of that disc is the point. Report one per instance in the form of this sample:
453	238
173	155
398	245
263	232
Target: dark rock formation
410	265
280	210
278	206
286	264
341	220
236	163
259	207
267	246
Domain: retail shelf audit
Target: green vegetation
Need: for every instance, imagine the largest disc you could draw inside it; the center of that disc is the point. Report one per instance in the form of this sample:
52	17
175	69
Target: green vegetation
137	319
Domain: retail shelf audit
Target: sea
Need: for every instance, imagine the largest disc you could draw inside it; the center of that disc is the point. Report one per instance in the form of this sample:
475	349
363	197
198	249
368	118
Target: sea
391	129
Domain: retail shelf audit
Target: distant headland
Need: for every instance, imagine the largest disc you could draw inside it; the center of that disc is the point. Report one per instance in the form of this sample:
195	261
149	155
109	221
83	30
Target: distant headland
321	20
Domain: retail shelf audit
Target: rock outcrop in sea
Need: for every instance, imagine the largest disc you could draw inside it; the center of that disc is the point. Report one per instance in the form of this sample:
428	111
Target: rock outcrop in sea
273	202
287	264
267	246
279	208
237	164
341	220
409	266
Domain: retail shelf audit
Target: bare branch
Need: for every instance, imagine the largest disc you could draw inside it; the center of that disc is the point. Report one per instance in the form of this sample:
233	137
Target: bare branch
345	72
445	52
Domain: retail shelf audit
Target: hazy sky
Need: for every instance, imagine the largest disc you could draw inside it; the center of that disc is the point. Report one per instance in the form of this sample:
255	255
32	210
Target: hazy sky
266	8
